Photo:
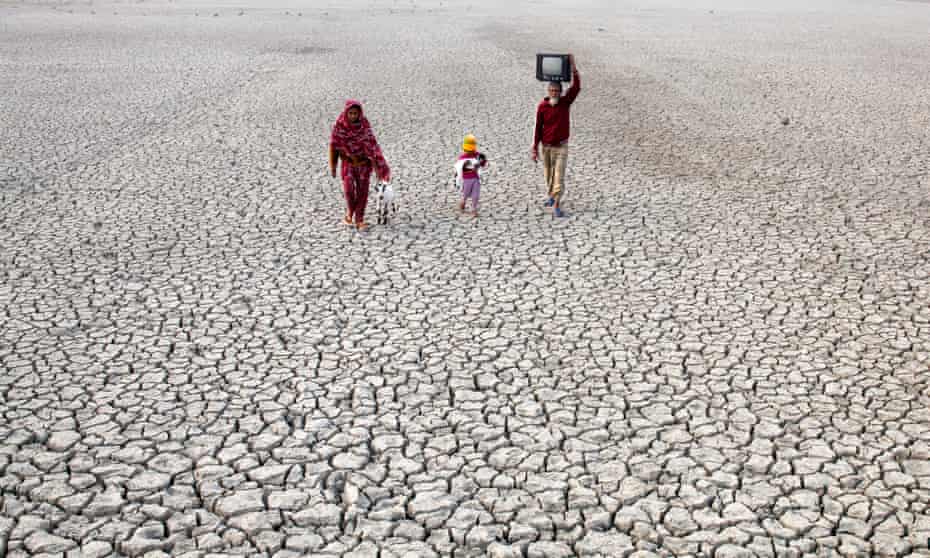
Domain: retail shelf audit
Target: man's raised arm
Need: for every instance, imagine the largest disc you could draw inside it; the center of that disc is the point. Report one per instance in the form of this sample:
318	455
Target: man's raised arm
576	82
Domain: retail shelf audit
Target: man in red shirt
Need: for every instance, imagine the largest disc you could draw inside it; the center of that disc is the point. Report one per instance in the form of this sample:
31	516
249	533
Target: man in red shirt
553	121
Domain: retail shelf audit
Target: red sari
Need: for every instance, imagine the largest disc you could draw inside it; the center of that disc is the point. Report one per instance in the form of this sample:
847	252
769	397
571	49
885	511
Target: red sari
355	144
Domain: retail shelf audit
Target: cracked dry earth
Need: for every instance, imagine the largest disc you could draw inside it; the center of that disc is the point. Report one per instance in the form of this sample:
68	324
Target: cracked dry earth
723	352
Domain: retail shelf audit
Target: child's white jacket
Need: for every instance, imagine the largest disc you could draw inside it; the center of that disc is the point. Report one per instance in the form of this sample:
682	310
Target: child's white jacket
460	170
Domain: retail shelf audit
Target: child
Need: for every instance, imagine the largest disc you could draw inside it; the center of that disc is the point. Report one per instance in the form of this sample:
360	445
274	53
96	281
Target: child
467	175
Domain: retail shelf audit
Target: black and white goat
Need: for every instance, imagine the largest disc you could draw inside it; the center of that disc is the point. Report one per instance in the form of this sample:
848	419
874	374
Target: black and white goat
386	202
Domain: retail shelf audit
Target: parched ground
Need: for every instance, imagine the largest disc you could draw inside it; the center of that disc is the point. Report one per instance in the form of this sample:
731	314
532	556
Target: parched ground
724	351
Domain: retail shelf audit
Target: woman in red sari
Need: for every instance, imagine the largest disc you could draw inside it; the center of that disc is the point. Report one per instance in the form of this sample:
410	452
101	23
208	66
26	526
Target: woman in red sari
354	143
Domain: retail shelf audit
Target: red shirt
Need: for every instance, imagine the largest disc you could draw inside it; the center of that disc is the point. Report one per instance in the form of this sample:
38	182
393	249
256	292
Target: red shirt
553	122
473	173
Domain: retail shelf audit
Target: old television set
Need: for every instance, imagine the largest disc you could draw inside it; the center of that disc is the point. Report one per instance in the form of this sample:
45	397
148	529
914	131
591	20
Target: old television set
553	67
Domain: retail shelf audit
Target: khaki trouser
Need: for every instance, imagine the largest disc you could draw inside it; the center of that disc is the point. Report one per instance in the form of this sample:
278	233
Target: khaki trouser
554	159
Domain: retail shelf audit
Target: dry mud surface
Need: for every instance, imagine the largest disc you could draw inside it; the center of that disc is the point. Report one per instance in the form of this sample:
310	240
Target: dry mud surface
722	352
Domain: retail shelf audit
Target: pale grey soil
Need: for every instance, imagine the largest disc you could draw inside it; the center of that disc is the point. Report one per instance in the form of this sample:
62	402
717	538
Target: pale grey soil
723	351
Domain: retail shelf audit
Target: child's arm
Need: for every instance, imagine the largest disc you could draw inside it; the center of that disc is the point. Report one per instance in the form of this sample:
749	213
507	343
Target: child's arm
459	168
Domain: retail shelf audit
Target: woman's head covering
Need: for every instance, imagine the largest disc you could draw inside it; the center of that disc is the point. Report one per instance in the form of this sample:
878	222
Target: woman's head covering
356	138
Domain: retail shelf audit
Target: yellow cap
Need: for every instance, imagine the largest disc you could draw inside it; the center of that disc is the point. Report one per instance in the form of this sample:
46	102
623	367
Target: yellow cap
470	143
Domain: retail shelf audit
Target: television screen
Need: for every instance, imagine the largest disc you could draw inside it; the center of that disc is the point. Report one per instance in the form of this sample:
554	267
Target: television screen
553	67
